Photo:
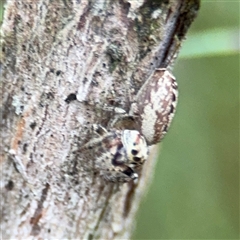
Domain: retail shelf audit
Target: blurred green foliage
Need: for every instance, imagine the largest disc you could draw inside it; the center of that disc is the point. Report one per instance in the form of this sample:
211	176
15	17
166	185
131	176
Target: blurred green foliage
195	190
1	12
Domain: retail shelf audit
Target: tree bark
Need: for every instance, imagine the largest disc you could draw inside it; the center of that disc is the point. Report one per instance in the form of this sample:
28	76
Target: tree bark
61	62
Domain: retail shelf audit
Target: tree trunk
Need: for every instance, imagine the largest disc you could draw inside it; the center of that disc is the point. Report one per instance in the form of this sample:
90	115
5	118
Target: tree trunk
99	54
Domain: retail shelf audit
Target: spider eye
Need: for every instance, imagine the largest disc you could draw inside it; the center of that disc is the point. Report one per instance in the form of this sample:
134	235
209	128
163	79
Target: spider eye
128	171
137	159
134	163
134	152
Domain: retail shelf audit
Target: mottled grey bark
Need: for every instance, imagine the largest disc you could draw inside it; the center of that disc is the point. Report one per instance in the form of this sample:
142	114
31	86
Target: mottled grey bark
53	52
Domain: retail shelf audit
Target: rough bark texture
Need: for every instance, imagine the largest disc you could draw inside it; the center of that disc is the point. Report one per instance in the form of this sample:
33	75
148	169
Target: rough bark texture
53	52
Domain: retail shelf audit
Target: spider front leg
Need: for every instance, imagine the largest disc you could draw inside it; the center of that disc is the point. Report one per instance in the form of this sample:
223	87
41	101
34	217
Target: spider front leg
99	130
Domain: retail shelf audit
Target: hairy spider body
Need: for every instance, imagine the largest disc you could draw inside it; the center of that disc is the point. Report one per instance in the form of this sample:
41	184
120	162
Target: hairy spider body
119	151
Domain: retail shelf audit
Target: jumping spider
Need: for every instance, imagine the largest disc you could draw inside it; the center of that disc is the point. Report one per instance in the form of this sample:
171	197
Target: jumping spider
118	152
